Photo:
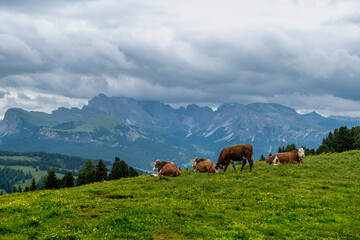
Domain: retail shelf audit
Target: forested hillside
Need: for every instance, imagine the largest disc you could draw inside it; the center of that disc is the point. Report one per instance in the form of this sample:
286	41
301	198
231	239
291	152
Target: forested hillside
10	177
18	168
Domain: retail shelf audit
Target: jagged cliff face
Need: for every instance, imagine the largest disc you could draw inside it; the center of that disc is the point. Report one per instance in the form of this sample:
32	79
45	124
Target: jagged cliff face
142	131
11	125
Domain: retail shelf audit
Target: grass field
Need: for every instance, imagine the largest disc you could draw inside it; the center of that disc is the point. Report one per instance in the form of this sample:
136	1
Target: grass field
316	200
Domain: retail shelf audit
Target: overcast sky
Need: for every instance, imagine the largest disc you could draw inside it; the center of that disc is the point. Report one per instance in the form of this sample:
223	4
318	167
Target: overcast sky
304	54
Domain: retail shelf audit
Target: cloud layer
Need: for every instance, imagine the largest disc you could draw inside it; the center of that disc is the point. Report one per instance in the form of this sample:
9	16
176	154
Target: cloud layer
303	54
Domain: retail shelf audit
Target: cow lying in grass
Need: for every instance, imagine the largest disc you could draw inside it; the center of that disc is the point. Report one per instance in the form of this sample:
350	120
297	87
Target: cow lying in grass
166	169
294	157
205	165
236	153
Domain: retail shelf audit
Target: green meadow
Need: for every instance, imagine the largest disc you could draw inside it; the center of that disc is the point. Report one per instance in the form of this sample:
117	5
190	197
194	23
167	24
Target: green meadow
319	199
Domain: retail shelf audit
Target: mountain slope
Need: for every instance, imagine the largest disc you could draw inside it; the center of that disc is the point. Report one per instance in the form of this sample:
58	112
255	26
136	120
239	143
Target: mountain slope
314	200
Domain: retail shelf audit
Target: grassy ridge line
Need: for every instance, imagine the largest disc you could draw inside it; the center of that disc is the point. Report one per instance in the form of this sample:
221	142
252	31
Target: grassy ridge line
318	199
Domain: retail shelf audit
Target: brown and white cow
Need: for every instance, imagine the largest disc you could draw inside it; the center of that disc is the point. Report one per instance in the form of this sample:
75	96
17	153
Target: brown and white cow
236	153
166	169
294	157
205	165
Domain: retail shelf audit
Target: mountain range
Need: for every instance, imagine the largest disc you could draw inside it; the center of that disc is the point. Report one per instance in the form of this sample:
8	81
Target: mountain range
140	132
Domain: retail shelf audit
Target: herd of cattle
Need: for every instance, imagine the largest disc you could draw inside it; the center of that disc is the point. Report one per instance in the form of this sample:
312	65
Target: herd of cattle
228	156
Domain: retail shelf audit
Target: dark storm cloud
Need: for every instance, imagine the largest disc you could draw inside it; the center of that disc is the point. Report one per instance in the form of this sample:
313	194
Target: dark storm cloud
152	50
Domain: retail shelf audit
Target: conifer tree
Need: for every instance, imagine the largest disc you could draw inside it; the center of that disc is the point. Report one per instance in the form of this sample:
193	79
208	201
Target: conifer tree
343	140
323	148
51	181
27	189
262	158
329	141
133	172
101	171
290	148
356	137
120	169
33	186
87	174
68	180
14	189
20	189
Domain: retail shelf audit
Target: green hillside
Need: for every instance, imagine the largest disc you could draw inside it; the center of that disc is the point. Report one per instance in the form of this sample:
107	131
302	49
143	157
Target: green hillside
316	200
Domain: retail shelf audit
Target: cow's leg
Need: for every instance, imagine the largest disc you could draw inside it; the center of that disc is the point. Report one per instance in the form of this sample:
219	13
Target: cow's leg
226	165
251	163
243	164
233	164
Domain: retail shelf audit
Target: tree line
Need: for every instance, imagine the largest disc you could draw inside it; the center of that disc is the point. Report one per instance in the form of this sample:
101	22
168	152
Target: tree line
91	173
88	174
340	140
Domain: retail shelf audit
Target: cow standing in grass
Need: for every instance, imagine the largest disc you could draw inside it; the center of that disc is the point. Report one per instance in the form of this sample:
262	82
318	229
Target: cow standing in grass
236	153
166	169
294	157
205	165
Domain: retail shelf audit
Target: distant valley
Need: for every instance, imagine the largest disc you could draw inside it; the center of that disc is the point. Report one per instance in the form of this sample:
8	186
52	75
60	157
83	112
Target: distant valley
142	131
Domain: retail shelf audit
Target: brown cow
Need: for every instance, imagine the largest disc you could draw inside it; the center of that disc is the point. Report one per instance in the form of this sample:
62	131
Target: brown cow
236	153
166	169
205	165
294	157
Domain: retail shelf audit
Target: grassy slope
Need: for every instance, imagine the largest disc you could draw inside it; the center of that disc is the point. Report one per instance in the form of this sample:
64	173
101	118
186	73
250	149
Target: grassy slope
318	199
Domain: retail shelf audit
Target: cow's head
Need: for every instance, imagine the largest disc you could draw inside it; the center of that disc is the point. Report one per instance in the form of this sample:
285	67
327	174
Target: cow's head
219	167
276	161
157	166
301	153
195	162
